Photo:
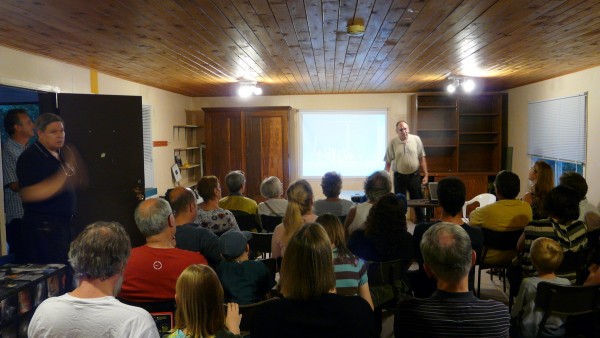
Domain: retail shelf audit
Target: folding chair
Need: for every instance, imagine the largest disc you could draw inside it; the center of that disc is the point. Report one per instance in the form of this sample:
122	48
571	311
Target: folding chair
562	300
498	240
270	222
260	244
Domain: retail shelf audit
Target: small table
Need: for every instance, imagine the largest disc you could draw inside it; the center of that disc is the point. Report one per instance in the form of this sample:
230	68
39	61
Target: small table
424	203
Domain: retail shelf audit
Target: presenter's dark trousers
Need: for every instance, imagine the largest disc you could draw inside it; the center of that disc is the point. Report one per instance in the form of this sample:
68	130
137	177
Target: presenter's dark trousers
412	184
48	238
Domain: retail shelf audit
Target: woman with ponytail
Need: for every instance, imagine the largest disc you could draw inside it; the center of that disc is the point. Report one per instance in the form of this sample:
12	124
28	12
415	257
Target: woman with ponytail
298	212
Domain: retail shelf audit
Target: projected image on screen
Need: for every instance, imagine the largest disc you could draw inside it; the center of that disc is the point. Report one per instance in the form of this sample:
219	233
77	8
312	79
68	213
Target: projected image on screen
349	142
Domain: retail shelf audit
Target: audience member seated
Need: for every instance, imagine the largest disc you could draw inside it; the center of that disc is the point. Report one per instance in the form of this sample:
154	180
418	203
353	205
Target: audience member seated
189	236
451	195
299	211
331	183
310	307
210	215
385	236
593	264
271	188
244	281
506	214
98	257
581	325
350	271
562	205
588	213
236	183
546	256
542	180
200	311
376	185
152	270
452	311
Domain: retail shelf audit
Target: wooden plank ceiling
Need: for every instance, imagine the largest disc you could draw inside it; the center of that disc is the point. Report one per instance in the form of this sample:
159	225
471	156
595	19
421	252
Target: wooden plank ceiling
203	47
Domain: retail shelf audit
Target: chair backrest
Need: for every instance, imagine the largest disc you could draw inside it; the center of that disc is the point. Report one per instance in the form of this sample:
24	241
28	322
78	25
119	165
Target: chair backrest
554	299
498	240
246	221
270	222
248	312
163	312
260	243
483	199
384	273
572	262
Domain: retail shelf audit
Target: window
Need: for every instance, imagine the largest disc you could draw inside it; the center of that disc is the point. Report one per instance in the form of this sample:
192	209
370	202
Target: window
349	142
560	167
558	133
147	134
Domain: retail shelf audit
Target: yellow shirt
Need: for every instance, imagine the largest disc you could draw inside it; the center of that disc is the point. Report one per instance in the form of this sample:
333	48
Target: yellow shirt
503	215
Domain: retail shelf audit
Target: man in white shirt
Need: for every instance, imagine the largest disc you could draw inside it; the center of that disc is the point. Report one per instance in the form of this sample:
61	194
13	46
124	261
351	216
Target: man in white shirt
98	256
408	154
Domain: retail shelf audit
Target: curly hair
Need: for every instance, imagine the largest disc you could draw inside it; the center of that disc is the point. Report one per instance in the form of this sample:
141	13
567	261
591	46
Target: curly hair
377	184
386	223
331	184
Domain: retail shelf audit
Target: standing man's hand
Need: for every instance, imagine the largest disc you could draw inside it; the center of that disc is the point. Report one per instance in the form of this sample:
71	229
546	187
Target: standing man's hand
425	179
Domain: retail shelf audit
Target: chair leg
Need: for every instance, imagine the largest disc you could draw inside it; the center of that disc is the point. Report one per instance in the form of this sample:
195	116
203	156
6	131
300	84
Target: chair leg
479	282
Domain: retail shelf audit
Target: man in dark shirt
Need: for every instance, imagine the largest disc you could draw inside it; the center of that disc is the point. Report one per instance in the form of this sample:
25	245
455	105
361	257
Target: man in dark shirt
452	310
451	195
47	172
191	236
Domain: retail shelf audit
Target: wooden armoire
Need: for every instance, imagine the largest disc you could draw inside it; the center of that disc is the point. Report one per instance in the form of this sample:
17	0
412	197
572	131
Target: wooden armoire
251	139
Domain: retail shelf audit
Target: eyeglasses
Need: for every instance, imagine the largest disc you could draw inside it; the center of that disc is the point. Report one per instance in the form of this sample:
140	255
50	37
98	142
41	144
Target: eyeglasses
402	129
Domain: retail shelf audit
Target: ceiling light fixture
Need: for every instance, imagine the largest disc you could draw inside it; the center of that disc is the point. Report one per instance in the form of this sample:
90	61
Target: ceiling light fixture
356	30
467	84
248	88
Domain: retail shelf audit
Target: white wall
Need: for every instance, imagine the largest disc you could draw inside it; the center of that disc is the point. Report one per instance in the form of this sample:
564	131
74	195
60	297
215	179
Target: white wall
167	108
583	81
396	105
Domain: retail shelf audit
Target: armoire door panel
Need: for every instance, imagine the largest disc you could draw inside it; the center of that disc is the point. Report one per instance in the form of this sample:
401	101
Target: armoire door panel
225	143
267	149
252	139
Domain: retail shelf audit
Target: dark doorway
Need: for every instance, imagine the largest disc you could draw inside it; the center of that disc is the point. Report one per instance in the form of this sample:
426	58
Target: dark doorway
107	130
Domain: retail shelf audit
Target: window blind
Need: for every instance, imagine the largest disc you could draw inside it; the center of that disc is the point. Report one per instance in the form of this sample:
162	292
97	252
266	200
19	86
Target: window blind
147	132
557	128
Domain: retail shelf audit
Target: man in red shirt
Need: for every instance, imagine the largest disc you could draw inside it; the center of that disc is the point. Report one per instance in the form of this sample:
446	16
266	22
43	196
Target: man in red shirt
153	269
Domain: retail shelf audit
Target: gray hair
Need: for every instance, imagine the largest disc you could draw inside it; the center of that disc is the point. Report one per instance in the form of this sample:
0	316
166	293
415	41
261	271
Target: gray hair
377	184
45	119
152	215
235	180
100	251
446	249
271	187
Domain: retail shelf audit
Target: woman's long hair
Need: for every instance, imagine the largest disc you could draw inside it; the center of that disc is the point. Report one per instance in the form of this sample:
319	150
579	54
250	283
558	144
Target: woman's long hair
386	223
300	200
337	235
200	311
544	182
307	267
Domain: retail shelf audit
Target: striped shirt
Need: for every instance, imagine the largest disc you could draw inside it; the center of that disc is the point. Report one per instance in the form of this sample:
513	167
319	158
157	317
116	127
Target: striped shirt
350	273
571	237
448	314
11	150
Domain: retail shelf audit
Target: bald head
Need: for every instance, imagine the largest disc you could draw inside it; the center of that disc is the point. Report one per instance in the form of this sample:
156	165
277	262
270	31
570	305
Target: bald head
183	203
